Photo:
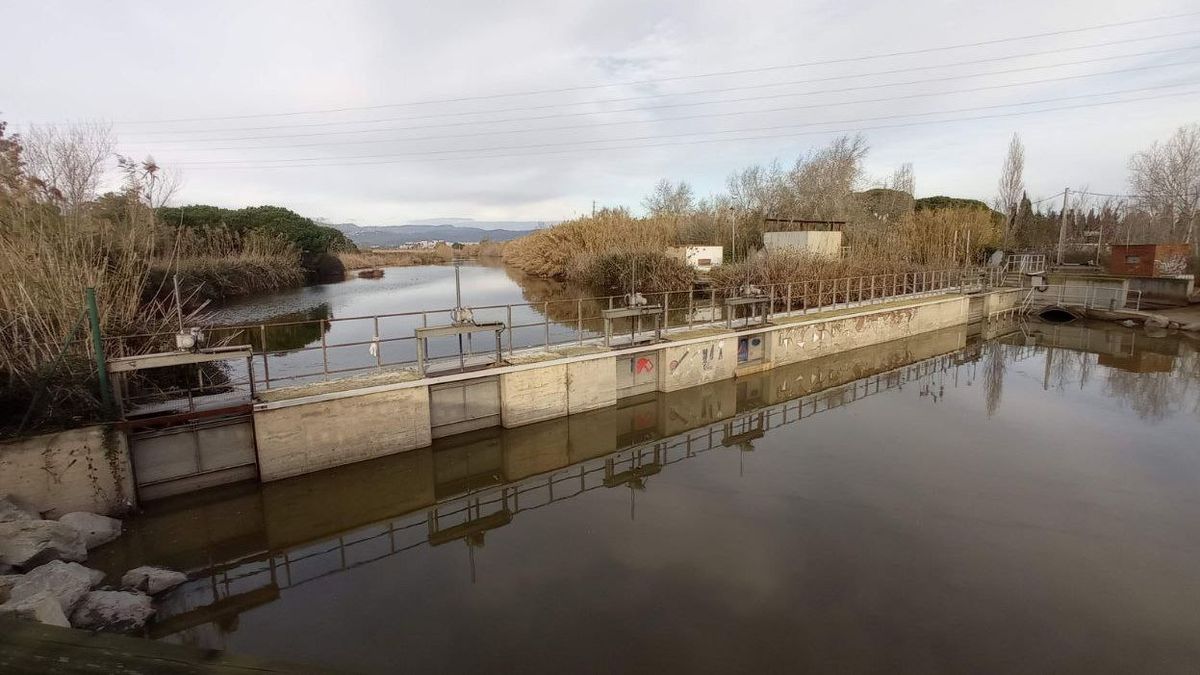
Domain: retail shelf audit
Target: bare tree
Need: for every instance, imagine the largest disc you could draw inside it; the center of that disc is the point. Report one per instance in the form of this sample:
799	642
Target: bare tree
669	199
1012	184
69	160
1166	179
904	180
147	182
819	185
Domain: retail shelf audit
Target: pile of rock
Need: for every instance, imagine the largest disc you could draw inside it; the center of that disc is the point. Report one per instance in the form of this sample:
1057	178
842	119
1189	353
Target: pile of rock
41	578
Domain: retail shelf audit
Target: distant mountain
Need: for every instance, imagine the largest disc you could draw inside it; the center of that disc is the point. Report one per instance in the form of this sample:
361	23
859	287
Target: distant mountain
445	229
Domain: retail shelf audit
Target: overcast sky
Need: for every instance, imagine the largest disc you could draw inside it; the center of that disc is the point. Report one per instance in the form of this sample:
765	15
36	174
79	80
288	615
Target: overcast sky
630	76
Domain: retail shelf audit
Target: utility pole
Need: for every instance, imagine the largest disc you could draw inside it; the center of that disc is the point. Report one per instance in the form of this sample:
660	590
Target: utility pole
1062	226
732	234
593	208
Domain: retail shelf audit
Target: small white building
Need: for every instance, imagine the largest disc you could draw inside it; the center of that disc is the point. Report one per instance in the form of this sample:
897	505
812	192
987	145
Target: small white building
700	258
825	244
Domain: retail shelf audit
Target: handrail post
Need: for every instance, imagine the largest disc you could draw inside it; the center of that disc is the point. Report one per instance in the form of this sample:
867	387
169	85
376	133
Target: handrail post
378	344
546	316
789	298
666	310
93	312
579	320
266	354
691	305
324	350
510	330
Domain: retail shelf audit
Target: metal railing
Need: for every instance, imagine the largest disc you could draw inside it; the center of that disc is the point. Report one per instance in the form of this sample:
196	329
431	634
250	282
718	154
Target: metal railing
1025	263
1088	297
294	352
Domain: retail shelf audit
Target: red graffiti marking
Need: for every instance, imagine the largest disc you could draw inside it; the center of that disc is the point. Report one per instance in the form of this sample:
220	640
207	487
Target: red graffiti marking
644	365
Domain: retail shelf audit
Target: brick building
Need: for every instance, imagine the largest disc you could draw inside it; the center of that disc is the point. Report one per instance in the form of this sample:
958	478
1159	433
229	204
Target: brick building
1150	260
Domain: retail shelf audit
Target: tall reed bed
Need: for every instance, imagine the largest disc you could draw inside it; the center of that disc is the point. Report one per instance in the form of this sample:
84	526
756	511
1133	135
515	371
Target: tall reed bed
46	263
218	262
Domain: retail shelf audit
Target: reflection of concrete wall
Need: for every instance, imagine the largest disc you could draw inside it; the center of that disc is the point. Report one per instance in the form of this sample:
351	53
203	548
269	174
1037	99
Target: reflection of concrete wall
592	434
298	439
186	535
820	243
535	449
349	496
69	471
694	407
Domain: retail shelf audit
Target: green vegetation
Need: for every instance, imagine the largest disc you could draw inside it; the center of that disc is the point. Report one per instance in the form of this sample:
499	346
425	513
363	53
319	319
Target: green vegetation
943	202
57	238
285	224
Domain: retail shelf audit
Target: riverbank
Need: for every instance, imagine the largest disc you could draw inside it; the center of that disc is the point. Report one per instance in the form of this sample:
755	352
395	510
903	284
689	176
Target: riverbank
407	257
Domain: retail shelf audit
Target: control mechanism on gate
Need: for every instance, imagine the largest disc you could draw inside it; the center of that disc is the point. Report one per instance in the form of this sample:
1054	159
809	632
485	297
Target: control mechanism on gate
462	325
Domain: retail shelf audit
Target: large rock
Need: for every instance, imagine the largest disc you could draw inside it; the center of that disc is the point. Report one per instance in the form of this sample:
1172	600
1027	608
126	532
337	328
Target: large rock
11	511
42	607
152	580
1156	321
25	544
112	610
68	582
97	530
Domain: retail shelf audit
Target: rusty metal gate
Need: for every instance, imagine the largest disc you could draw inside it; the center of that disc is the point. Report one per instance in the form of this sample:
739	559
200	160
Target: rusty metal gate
455	407
171	457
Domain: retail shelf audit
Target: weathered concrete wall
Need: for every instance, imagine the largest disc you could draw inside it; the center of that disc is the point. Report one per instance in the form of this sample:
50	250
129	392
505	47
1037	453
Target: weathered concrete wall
311	436
807	340
591	384
1000	300
533	395
1096	291
1164	290
828	244
83	469
688	365
299	437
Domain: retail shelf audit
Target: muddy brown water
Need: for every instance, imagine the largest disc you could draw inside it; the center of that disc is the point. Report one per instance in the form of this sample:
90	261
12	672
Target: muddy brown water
946	503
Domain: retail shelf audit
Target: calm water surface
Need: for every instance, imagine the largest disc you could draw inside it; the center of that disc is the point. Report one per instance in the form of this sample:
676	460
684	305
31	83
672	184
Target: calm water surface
938	504
342	315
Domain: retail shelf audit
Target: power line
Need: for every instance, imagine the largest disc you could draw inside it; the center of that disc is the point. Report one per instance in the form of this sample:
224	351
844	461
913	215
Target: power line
276	164
726	101
702	116
855	59
700	91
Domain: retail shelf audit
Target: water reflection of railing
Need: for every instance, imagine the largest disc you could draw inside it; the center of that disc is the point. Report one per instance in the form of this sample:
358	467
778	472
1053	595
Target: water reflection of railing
470	515
388	340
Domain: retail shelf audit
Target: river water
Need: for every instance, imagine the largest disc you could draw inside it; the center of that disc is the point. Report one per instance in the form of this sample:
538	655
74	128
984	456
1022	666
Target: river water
945	503
330	327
